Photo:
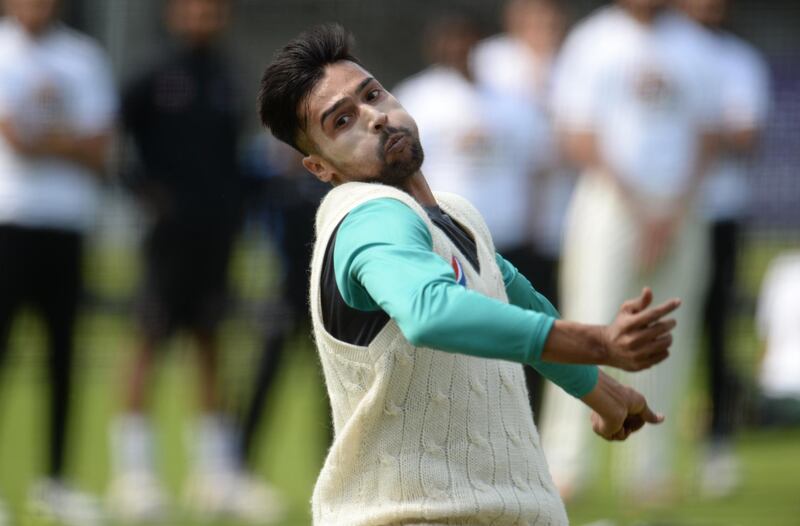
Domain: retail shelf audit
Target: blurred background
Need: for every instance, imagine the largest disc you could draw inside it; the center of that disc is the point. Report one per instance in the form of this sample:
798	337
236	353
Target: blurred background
194	406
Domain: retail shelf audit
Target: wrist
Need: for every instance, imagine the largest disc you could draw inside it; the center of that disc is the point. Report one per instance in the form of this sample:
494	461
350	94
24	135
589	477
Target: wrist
601	341
607	397
577	343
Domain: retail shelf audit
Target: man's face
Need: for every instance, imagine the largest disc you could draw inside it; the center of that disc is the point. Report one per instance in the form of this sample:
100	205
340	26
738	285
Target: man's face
355	130
542	25
644	5
198	21
708	12
34	15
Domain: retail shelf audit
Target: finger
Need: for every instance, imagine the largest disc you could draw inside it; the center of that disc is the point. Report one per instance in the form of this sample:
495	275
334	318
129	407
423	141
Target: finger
608	428
635	305
645	318
654	346
649	361
657	346
620	435
651	417
652	353
600	427
633	423
653	331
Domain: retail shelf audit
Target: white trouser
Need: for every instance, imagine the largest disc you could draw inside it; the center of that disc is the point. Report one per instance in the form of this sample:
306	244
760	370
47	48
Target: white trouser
599	272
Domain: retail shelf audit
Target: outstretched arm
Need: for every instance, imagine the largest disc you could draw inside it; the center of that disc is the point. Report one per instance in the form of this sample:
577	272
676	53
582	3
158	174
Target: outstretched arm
383	259
638	338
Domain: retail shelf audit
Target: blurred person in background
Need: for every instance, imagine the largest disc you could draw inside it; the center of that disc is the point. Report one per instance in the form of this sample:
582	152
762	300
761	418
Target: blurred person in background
520	60
185	116
480	142
636	100
285	203
778	324
57	109
744	102
519	63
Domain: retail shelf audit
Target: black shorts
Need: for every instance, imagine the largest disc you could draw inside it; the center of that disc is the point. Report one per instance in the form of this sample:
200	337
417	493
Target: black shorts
186	278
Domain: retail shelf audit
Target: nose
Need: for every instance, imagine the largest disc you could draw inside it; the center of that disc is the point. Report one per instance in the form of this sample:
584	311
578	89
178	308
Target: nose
378	120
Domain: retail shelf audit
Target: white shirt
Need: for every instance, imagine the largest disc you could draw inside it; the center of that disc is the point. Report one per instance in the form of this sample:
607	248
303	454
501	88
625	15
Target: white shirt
646	91
778	322
509	66
59	79
744	105
506	65
478	144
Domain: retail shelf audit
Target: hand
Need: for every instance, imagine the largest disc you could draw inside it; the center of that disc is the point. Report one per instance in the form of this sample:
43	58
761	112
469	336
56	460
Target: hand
618	410
655	239
55	143
639	337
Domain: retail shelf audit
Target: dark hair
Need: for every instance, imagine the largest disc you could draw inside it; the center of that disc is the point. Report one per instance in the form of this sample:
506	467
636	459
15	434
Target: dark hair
294	72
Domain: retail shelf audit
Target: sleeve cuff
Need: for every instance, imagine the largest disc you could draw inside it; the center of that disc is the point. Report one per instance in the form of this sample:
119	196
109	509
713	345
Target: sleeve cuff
542	327
588	383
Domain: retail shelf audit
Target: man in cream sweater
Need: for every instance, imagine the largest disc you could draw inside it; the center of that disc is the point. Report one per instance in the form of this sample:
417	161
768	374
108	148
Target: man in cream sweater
421	325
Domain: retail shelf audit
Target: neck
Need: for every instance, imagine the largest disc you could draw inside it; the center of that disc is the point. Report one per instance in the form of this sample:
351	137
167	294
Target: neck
35	31
417	187
462	69
644	15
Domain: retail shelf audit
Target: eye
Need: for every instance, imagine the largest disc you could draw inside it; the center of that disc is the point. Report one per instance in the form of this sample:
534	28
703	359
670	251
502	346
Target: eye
342	120
373	94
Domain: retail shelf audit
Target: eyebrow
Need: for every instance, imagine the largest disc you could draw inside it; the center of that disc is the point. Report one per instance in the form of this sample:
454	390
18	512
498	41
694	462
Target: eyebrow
336	105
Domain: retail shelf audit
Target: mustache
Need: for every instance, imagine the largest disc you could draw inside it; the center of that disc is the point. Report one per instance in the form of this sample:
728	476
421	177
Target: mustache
389	131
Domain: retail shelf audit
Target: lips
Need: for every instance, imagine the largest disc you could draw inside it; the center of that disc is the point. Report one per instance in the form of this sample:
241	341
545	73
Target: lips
395	142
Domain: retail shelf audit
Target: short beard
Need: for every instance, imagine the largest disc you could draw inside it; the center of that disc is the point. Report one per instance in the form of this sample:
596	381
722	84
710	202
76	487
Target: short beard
395	172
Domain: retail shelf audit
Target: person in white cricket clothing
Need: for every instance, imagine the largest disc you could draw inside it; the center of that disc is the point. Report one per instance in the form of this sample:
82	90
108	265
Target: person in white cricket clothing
744	105
778	324
417	320
57	109
518	64
635	101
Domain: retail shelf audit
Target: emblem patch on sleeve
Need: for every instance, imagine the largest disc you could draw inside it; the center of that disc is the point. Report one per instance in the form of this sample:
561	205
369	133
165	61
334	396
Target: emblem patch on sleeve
461	279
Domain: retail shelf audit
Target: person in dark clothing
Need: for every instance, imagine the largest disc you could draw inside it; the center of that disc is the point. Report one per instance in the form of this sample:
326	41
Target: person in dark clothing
286	203
184	117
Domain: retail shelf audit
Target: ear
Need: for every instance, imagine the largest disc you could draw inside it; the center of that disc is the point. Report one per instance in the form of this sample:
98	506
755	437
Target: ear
318	167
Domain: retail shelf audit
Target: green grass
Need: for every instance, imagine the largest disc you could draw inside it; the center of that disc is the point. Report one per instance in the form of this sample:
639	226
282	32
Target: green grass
291	448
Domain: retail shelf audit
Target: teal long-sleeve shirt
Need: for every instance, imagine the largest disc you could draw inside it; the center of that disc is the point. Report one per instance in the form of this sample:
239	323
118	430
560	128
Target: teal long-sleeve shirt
384	259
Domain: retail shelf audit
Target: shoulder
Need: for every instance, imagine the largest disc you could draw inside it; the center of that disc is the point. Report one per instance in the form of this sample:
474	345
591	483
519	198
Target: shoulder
380	222
6	29
343	199
497	46
424	83
465	212
9	40
384	219
77	44
600	30
687	34
743	55
600	22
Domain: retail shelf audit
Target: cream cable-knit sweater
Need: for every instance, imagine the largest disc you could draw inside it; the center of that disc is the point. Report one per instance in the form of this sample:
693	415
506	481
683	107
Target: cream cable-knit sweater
425	436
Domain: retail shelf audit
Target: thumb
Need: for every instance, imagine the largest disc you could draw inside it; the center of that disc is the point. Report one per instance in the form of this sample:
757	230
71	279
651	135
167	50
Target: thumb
650	417
639	303
645	299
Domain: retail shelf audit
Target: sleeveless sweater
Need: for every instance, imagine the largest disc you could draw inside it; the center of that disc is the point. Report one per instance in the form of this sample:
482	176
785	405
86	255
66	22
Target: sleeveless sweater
424	436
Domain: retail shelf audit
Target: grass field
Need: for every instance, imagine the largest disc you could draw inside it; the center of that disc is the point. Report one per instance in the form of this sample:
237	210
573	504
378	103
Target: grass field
292	445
